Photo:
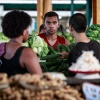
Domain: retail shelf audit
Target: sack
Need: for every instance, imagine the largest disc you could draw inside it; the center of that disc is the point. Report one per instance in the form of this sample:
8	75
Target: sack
2	50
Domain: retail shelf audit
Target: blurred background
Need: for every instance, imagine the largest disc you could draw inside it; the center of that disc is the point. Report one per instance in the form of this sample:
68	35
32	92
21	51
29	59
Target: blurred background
37	8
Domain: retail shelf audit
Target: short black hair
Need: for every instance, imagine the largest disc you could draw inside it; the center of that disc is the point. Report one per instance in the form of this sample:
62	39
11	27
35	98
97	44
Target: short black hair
61	29
14	23
41	27
78	22
51	14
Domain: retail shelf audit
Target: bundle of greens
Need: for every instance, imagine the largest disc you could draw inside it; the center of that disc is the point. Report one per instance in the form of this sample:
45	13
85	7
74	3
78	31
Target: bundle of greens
93	32
38	44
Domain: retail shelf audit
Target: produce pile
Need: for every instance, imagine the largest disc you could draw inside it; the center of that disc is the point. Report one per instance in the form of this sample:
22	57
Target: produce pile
68	36
86	62
93	32
53	62
35	87
38	44
48	57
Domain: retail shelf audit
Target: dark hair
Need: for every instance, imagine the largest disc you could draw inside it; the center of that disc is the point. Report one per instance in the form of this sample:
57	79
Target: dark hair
78	22
15	22
50	14
61	29
41	27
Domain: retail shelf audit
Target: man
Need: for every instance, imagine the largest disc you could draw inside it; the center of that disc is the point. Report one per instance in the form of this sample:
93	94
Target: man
51	24
77	27
18	59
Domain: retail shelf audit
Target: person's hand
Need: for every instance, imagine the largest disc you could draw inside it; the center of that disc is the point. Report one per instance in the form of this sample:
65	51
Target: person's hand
63	54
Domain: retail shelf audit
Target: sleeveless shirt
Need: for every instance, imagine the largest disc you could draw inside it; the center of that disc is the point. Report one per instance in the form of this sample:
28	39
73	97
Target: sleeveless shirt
60	40
12	66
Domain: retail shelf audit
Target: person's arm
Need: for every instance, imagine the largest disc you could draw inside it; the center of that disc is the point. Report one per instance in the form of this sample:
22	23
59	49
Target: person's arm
29	59
63	54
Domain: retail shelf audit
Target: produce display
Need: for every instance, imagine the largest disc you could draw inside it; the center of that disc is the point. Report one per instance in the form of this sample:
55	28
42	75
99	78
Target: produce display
53	62
93	32
68	36
49	58
45	87
35	87
38	44
86	62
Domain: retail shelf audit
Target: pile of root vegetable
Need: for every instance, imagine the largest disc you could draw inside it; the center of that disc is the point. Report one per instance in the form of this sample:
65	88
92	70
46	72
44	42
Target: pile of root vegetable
35	87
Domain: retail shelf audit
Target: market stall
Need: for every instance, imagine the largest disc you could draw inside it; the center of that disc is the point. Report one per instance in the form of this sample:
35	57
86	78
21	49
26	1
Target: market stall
66	86
59	80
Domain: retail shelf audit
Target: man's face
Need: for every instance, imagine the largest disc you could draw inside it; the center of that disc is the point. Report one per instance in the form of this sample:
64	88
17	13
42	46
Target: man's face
51	25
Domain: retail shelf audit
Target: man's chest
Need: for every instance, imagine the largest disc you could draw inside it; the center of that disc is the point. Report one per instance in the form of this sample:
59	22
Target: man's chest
52	41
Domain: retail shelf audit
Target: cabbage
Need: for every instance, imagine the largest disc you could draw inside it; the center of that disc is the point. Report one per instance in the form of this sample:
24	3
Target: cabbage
38	44
93	32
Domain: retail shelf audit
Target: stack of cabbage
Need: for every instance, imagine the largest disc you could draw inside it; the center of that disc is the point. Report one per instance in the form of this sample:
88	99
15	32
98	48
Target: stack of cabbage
38	44
93	32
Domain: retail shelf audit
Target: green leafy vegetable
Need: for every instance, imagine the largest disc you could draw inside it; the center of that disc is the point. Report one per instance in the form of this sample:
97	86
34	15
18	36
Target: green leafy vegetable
3	38
38	44
93	32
